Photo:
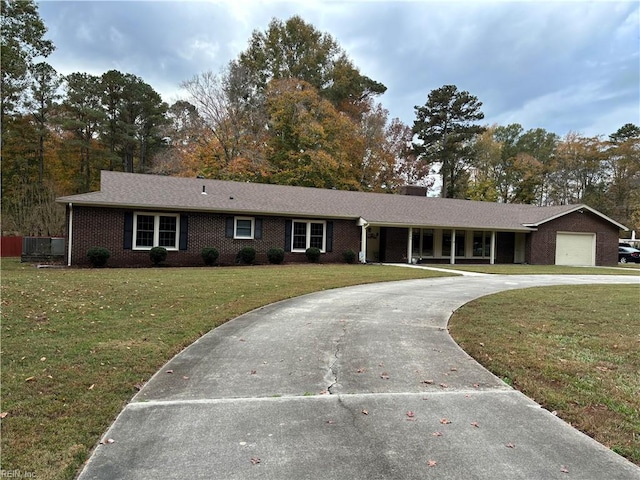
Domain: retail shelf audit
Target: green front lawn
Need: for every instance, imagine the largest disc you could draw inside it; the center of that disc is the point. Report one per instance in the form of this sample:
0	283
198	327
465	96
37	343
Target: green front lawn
511	269
76	343
573	349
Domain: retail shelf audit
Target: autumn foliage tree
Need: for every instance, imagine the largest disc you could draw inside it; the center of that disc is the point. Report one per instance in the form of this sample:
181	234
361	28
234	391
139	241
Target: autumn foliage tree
292	108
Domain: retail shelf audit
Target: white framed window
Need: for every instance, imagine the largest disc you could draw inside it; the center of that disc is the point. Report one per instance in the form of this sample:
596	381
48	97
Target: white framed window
155	230
308	233
244	228
481	244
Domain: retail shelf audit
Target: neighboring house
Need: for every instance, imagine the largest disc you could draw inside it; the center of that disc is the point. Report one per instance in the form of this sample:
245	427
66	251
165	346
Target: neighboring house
133	212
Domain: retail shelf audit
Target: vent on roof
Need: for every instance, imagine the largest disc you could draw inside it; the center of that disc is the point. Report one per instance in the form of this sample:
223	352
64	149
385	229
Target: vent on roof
204	190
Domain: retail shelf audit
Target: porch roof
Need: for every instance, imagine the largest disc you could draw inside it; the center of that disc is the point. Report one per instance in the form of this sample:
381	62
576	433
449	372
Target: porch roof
155	192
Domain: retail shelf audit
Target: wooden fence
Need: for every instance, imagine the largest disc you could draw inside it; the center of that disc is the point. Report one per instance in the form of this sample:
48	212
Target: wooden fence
11	246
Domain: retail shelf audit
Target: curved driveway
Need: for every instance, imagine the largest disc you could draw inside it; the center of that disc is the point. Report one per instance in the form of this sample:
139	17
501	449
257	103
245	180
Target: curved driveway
356	383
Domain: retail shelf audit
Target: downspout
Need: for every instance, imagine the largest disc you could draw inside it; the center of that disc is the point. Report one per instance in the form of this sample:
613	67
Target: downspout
70	234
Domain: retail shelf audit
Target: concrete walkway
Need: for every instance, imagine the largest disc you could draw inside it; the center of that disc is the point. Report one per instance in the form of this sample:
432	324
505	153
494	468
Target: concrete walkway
356	383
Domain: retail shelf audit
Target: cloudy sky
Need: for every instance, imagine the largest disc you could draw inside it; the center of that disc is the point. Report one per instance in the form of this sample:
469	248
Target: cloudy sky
563	66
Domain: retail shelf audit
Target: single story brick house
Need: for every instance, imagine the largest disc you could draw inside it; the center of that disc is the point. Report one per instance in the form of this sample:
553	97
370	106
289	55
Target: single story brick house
134	212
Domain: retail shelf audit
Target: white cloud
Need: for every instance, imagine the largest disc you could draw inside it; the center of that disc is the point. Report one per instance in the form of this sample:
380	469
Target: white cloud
555	65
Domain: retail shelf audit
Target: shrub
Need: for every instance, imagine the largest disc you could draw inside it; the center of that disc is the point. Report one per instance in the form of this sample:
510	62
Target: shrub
210	255
246	255
98	256
158	255
275	255
349	256
313	254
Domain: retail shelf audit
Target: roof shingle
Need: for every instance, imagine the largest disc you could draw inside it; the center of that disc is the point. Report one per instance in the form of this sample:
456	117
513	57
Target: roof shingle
156	192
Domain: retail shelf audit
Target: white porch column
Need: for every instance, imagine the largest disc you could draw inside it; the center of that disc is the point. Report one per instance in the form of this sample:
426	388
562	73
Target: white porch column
410	245
70	233
452	261
362	257
492	254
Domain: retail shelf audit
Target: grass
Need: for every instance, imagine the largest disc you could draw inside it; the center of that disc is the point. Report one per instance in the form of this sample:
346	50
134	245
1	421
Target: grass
77	342
542	269
572	349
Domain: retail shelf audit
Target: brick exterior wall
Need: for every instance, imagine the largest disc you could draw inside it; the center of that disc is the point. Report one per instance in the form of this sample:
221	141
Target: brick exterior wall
541	244
104	227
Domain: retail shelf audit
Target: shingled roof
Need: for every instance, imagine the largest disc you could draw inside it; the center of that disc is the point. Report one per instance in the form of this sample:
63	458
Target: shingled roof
155	192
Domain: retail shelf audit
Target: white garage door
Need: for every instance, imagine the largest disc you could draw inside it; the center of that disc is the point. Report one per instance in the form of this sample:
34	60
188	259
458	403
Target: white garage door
575	249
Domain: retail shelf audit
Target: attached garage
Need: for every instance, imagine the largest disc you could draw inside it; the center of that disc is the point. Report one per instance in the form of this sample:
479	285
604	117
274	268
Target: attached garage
575	249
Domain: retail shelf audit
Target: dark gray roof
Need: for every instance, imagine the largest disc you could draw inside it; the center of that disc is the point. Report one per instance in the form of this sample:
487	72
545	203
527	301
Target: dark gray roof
157	192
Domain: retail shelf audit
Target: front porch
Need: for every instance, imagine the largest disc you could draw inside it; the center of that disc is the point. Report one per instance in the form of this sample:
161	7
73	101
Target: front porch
417	245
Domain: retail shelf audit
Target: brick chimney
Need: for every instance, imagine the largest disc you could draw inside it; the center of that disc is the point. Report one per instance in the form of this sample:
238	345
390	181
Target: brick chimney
414	190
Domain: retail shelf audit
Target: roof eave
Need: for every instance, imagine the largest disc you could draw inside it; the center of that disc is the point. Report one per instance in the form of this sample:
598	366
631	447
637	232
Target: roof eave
144	206
452	227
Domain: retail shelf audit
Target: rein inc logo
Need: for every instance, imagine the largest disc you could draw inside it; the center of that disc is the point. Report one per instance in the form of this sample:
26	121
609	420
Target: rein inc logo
16	474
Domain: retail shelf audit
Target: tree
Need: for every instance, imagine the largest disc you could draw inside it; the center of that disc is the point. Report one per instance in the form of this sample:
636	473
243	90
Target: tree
623	169
310	141
487	155
83	116
182	132
444	128
235	120
44	94
577	171
295	49
133	113
385	148
21	41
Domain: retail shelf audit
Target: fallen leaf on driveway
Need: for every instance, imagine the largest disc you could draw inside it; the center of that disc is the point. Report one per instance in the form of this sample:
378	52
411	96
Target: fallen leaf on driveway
255	460
432	463
437	434
445	421
169	371
563	469
475	424
365	412
107	441
444	385
428	382
411	414
510	445
384	376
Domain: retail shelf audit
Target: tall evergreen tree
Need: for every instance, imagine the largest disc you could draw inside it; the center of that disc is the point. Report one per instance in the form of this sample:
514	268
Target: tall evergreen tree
445	128
22	41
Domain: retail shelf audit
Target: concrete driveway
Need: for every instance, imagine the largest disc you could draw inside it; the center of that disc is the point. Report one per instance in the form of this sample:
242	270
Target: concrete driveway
356	383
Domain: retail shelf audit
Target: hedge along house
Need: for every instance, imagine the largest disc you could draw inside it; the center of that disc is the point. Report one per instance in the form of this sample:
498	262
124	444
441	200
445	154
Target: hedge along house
134	212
